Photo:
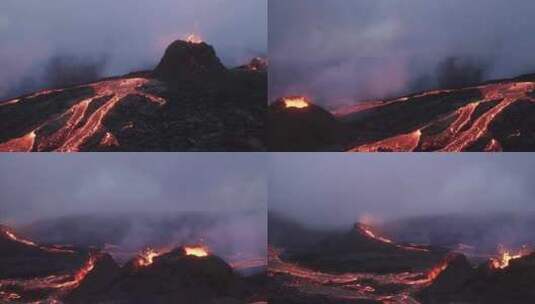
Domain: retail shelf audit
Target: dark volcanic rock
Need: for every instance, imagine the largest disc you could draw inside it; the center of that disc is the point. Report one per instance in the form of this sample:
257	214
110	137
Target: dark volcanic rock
19	260
513	284
189	61
300	129
171	277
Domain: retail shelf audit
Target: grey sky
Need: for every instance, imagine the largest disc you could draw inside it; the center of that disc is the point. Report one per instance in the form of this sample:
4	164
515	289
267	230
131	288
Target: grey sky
131	34
340	189
339	51
44	186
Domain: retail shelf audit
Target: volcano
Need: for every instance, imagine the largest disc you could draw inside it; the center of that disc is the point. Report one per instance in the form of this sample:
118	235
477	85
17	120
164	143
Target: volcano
32	272
295	124
492	116
189	102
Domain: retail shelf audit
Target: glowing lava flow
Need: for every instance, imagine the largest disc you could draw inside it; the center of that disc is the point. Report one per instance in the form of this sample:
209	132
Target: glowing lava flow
368	232
21	144
194	39
81	125
147	257
295	102
401	143
508	93
505	257
15	238
197	251
465	129
353	286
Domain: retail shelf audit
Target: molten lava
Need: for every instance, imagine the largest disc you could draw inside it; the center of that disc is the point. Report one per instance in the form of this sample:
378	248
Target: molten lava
197	251
465	126
82	125
15	238
369	233
194	39
401	143
505	257
346	286
295	102
146	258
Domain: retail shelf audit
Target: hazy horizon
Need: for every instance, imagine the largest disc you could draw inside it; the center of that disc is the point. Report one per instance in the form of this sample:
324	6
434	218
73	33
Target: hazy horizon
337	190
89	36
339	52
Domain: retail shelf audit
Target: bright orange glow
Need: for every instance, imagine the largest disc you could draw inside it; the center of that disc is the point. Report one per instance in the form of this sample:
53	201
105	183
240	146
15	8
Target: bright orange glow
79	125
437	270
194	39
15	238
80	275
147	257
197	251
401	143
369	233
505	257
295	102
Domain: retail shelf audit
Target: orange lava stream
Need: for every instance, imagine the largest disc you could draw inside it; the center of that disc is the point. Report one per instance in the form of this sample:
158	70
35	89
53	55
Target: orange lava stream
194	39
81	274
452	139
401	143
18	239
509	93
346	285
21	144
9	102
71	136
147	257
15	238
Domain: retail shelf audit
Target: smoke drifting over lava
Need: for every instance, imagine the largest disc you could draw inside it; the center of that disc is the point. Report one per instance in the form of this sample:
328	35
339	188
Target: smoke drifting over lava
343	52
91	31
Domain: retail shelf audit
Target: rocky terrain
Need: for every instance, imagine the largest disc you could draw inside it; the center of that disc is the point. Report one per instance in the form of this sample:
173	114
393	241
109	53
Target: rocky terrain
492	116
189	102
